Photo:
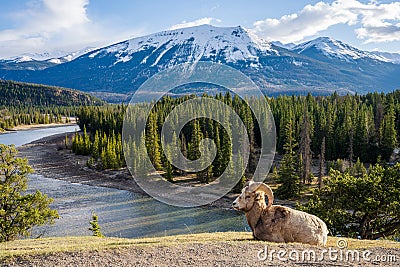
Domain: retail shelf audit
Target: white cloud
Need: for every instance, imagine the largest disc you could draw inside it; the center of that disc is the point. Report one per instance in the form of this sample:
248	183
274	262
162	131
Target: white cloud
46	25
380	22
377	22
184	24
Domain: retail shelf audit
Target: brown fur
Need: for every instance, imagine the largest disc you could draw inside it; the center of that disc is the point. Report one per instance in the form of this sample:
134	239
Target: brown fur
278	223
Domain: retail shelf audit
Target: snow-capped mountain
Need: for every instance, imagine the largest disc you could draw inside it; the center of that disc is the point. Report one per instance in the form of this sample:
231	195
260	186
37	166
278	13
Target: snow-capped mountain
320	66
55	56
40	61
332	48
191	45
286	46
66	57
389	57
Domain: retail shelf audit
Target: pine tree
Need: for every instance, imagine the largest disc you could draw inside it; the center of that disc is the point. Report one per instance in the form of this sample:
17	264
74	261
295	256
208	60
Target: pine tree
288	172
19	210
238	169
168	166
94	226
66	141
218	166
153	141
96	148
143	167
104	159
206	174
197	136
358	169
351	150
226	151
305	147
321	168
74	143
388	134
85	145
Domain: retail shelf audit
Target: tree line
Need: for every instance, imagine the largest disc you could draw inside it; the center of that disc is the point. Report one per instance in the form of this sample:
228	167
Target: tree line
353	126
310	128
106	124
17	94
26	104
14	116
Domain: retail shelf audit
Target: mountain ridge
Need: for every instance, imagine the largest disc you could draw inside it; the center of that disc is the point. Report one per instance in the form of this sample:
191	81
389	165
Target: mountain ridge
321	66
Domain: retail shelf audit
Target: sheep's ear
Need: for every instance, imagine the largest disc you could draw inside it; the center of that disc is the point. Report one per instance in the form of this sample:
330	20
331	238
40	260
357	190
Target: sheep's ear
258	196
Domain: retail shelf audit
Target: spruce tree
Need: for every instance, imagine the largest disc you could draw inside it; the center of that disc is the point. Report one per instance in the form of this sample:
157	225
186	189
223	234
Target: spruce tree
197	136
305	147
205	175
388	134
94	226
288	171
153	141
86	144
66	141
217	165
321	168
167	165
358	169
19	211
96	148
351	150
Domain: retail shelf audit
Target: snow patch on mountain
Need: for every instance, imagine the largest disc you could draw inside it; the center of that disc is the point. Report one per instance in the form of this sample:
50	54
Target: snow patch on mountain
73	55
22	59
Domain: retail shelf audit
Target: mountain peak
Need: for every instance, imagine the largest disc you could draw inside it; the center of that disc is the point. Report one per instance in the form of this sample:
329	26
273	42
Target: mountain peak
56	57
195	43
333	48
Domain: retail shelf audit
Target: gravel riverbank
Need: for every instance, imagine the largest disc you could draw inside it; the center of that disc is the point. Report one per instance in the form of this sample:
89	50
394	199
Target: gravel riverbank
49	158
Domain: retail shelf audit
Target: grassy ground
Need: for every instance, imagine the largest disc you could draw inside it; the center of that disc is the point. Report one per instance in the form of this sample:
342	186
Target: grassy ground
29	247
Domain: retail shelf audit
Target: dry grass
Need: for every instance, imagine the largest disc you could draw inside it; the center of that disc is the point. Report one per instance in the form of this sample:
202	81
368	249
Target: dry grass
29	247
79	243
359	244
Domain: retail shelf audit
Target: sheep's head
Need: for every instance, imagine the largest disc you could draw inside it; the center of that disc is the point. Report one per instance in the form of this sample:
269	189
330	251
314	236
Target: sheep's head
252	192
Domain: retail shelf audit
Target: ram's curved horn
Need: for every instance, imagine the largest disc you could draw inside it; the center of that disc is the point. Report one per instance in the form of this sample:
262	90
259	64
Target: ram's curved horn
259	186
249	182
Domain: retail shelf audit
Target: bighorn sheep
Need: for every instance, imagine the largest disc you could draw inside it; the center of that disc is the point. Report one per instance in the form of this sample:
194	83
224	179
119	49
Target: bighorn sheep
278	223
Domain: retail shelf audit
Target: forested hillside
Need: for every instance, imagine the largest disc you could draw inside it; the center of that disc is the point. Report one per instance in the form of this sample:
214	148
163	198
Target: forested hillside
26	104
18	94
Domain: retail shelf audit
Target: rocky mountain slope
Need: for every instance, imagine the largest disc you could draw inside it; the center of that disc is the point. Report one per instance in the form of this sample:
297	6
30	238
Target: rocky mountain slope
320	66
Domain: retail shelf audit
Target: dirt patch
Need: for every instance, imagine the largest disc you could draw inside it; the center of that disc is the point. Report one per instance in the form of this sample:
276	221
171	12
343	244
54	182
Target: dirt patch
208	254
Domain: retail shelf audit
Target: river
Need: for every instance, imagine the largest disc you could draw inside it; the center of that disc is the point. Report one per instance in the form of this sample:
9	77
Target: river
19	138
121	213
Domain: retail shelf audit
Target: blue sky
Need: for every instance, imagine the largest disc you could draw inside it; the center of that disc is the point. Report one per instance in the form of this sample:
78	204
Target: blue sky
39	26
